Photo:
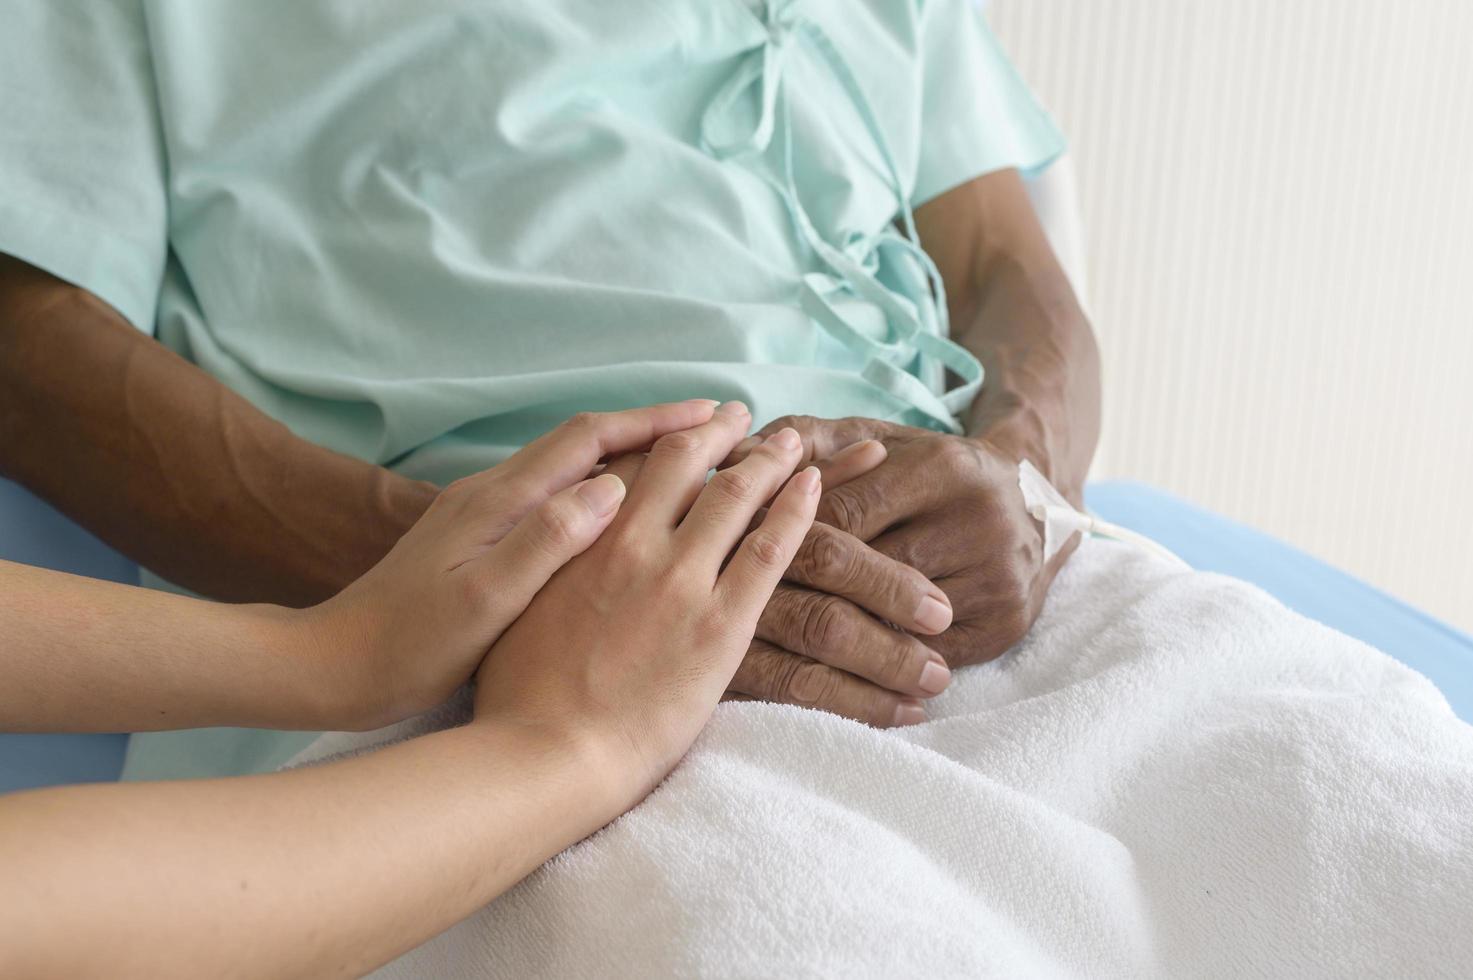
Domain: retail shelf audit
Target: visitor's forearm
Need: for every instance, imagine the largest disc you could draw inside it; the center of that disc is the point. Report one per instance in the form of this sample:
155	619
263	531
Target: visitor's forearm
323	871
172	468
83	655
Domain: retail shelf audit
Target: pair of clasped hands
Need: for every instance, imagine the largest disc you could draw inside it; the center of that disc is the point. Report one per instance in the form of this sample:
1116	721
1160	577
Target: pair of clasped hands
603	594
616	589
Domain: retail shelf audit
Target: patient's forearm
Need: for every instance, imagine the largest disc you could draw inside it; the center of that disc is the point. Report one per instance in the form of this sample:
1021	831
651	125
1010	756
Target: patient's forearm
83	655
1042	396
172	468
1012	306
324	871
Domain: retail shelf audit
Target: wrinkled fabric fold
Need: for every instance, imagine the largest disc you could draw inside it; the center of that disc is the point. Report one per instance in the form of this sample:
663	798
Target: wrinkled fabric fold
911	360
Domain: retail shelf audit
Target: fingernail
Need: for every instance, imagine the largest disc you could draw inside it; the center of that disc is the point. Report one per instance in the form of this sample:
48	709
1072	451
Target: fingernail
934	677
710	402
808	480
733	408
748	444
933	615
854	449
602	494
909	713
786	438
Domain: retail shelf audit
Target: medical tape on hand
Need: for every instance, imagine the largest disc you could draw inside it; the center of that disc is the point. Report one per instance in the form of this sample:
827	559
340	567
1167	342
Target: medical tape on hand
1061	520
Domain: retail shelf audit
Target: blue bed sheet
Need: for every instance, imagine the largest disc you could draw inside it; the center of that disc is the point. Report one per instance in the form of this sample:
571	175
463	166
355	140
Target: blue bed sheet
31	532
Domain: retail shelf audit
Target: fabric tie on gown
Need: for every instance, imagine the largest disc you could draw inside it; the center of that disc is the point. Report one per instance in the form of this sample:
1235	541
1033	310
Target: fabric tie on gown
910	356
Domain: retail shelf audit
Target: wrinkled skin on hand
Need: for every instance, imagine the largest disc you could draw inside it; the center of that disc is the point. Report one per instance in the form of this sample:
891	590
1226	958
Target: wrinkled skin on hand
938	507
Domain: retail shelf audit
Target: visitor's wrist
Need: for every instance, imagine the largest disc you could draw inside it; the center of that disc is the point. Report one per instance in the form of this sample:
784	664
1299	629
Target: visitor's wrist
327	680
279	675
597	769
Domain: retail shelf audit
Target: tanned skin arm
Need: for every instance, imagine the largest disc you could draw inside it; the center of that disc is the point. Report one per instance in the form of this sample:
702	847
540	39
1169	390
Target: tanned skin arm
1012	306
173	469
949	506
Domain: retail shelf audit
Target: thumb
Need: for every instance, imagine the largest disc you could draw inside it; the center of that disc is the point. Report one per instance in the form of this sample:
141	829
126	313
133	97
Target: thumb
562	527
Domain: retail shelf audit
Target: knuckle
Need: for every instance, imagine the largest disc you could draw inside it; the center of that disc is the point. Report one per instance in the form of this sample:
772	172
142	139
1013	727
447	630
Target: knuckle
682	445
759	670
733	484
516	490
465	491
775	673
444	505
811	684
843	509
954	456
494	505
719	624
799	422
626	540
459	488
557	525
766	550
671	585
953	449
824	559
583	423
825	625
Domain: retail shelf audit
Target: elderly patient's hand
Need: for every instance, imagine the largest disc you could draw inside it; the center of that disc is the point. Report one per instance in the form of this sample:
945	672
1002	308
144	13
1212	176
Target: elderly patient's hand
828	638
946	508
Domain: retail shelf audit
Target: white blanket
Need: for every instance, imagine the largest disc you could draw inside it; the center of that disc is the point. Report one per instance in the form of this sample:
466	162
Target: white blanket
1171	776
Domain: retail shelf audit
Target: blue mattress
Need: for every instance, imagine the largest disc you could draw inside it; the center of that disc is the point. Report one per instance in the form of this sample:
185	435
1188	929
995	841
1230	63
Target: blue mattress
31	532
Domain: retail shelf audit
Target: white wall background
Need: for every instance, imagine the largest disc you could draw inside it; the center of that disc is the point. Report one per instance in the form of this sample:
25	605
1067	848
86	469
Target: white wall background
1278	200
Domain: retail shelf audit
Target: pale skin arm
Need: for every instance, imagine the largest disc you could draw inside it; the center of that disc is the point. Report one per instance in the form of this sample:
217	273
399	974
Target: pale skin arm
280	875
86	655
335	869
326	871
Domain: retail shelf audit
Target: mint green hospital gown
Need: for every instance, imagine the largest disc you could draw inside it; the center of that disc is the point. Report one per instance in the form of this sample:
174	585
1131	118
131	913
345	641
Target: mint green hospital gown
424	232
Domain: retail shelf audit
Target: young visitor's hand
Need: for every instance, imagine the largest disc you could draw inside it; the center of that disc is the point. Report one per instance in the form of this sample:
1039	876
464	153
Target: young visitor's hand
402	638
629	647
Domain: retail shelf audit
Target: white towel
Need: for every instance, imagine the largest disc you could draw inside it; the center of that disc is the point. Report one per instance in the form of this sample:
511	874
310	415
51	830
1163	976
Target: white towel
1171	776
